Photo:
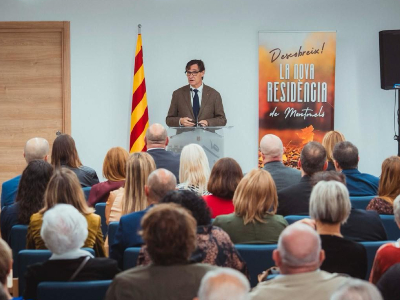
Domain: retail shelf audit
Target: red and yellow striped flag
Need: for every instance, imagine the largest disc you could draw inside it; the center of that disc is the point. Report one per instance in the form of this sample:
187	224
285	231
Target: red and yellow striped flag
139	114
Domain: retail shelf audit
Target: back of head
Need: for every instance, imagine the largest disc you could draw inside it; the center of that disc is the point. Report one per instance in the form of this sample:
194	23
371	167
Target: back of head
346	155
328	176
194	168
330	202
255	196
356	289
331	138
36	148
5	261
138	168
169	232
160	182
156	136
64	187
271	146
64	152
193	203
224	284
64	229
225	177
198	62
114	165
389	187
313	158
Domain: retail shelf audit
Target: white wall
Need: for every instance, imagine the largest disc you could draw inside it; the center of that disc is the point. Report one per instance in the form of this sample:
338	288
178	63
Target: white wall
224	34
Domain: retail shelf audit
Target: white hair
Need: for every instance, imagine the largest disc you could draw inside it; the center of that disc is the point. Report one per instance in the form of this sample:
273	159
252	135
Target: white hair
36	148
64	229
224	284
356	289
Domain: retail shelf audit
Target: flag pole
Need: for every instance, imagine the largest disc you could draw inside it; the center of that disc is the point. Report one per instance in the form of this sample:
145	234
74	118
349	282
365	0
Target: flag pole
139	28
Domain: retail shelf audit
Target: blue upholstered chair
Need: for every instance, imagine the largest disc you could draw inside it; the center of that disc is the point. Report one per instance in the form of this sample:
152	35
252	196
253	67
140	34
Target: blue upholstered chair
82	290
360	202
258	259
372	247
112	230
392	230
86	191
100	209
18	243
130	257
294	218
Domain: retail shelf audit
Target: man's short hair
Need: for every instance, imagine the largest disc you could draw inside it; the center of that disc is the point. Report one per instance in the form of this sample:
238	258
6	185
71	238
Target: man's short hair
156	134
36	148
160	182
346	155
224	284
197	62
5	261
356	289
313	158
169	232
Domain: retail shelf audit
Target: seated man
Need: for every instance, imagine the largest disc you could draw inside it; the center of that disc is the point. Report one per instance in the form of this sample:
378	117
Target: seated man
169	232
346	158
299	256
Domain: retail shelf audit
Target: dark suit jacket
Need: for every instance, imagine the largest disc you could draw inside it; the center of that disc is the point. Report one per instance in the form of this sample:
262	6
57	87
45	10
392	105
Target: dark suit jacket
211	108
9	190
295	199
167	160
283	176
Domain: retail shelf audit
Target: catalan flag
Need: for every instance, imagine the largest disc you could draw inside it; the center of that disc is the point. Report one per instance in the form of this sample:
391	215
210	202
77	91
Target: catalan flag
139	113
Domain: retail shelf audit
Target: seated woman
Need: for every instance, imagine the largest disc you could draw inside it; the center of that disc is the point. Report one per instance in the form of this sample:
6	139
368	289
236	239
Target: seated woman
225	177
194	170
214	246
64	154
329	208
64	187
64	231
254	220
331	138
114	170
389	187
29	198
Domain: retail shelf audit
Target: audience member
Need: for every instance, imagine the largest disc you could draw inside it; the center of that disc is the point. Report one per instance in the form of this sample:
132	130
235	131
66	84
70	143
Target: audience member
388	284
388	254
156	141
131	197
169	232
225	177
64	154
3	294
6	262
346	158
389	187
295	199
36	148
299	256
330	207
272	149
214	246
356	289
224	284
254	220
29	199
194	169
159	183
64	231
64	187
361	225
331	138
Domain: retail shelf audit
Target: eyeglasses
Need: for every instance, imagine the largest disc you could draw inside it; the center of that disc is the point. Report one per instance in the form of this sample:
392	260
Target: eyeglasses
188	73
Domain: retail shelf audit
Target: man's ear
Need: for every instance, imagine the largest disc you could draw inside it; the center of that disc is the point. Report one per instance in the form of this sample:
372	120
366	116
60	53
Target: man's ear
166	141
325	165
277	258
146	190
145	140
321	256
358	158
299	163
337	167
46	158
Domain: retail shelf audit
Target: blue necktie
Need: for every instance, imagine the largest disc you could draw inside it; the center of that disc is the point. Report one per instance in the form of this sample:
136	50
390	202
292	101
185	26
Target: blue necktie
196	104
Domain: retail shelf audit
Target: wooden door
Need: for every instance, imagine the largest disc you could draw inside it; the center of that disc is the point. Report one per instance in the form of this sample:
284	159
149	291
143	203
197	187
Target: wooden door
35	88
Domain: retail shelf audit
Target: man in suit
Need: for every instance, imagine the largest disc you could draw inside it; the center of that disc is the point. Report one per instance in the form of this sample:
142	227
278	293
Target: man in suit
272	151
196	104
156	140
299	256
159	183
295	199
346	158
35	148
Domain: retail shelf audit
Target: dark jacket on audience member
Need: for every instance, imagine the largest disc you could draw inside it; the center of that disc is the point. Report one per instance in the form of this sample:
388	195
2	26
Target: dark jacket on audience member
166	160
295	199
9	190
361	184
388	284
283	176
86	175
100	191
8	218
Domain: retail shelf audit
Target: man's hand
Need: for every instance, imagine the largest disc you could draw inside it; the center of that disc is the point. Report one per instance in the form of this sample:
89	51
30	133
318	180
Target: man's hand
203	123
187	122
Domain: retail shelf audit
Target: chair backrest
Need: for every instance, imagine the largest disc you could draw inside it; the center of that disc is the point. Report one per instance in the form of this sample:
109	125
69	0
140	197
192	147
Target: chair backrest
100	209
86	191
294	218
392	230
112	230
18	243
360	202
258	259
371	248
82	290
30	257
130	257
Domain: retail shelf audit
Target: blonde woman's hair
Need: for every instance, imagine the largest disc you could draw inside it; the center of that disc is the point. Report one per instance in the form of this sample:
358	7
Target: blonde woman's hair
114	165
194	168
138	168
329	141
64	187
255	196
389	187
